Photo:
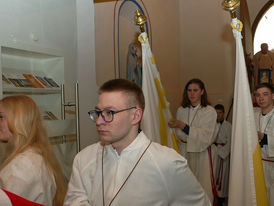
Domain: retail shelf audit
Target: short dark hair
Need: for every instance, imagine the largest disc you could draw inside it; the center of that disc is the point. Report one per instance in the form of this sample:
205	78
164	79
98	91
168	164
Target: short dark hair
266	85
220	107
124	85
204	101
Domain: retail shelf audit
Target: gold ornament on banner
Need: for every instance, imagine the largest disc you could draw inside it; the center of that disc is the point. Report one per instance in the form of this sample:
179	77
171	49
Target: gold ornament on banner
140	20
231	6
238	26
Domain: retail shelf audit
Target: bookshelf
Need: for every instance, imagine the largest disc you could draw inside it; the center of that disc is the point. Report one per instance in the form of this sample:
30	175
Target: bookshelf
20	61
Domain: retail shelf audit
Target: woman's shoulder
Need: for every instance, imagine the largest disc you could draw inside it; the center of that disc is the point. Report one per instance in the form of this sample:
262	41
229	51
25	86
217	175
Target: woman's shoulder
30	156
208	111
26	163
182	109
27	155
28	176
209	108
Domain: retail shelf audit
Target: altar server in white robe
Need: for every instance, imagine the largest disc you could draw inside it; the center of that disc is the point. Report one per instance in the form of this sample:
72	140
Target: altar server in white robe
196	125
264	118
223	143
125	167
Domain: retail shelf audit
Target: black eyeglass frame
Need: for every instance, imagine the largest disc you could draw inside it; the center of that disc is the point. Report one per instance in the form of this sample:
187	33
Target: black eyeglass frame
100	112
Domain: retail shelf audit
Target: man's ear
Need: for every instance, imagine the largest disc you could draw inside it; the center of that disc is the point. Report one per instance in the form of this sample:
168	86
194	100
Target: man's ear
137	116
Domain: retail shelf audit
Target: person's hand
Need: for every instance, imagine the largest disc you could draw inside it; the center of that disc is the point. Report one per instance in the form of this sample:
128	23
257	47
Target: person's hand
174	123
260	135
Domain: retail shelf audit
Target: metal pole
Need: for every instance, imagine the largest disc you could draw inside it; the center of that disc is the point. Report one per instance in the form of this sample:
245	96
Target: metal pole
77	118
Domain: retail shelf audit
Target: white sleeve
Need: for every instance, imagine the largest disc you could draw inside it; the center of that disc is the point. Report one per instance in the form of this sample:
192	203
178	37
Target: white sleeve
270	138
76	194
179	133
270	145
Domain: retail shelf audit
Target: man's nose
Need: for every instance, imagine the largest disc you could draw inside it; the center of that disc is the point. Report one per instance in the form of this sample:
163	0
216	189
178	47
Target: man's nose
100	120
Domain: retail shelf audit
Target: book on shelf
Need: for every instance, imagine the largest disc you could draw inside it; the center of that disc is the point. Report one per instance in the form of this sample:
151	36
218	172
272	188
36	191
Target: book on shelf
43	81
18	80
23	80
6	83
13	80
47	115
33	81
51	82
51	115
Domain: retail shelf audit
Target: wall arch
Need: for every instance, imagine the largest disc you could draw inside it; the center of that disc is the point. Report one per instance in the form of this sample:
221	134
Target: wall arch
260	15
124	26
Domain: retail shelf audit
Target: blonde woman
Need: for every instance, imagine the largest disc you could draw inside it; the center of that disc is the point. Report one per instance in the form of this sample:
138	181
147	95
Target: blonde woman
30	168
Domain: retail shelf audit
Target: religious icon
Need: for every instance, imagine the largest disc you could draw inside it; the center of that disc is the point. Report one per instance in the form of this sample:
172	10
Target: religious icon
264	76
134	63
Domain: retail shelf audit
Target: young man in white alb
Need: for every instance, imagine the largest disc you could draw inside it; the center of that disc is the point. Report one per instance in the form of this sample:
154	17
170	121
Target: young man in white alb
125	167
223	143
264	118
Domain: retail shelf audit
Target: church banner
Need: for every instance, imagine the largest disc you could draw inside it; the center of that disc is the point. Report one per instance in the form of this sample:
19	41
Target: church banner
157	113
246	183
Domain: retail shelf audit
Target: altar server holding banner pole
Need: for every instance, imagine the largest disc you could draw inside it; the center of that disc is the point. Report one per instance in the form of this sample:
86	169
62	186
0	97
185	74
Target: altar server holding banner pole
246	183
157	113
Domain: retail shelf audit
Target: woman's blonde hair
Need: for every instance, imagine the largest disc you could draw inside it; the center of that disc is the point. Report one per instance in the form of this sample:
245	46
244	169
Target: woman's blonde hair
25	124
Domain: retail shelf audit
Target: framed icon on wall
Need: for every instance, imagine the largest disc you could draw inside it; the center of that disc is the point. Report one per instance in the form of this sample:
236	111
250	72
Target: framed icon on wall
264	76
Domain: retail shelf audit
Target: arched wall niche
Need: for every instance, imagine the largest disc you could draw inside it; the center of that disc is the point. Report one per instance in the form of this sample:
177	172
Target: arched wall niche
125	35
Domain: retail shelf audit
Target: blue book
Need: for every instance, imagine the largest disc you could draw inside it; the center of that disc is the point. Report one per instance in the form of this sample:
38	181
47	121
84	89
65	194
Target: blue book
51	82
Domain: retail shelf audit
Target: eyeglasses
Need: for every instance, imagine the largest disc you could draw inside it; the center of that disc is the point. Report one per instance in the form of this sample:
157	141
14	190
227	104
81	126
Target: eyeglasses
106	114
2	117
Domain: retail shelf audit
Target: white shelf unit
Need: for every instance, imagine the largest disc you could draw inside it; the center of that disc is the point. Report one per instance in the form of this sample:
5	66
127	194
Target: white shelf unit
23	90
42	62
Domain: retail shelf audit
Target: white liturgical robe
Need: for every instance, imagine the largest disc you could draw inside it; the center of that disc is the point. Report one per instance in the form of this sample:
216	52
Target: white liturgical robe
265	124
194	146
4	199
27	176
161	177
223	142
